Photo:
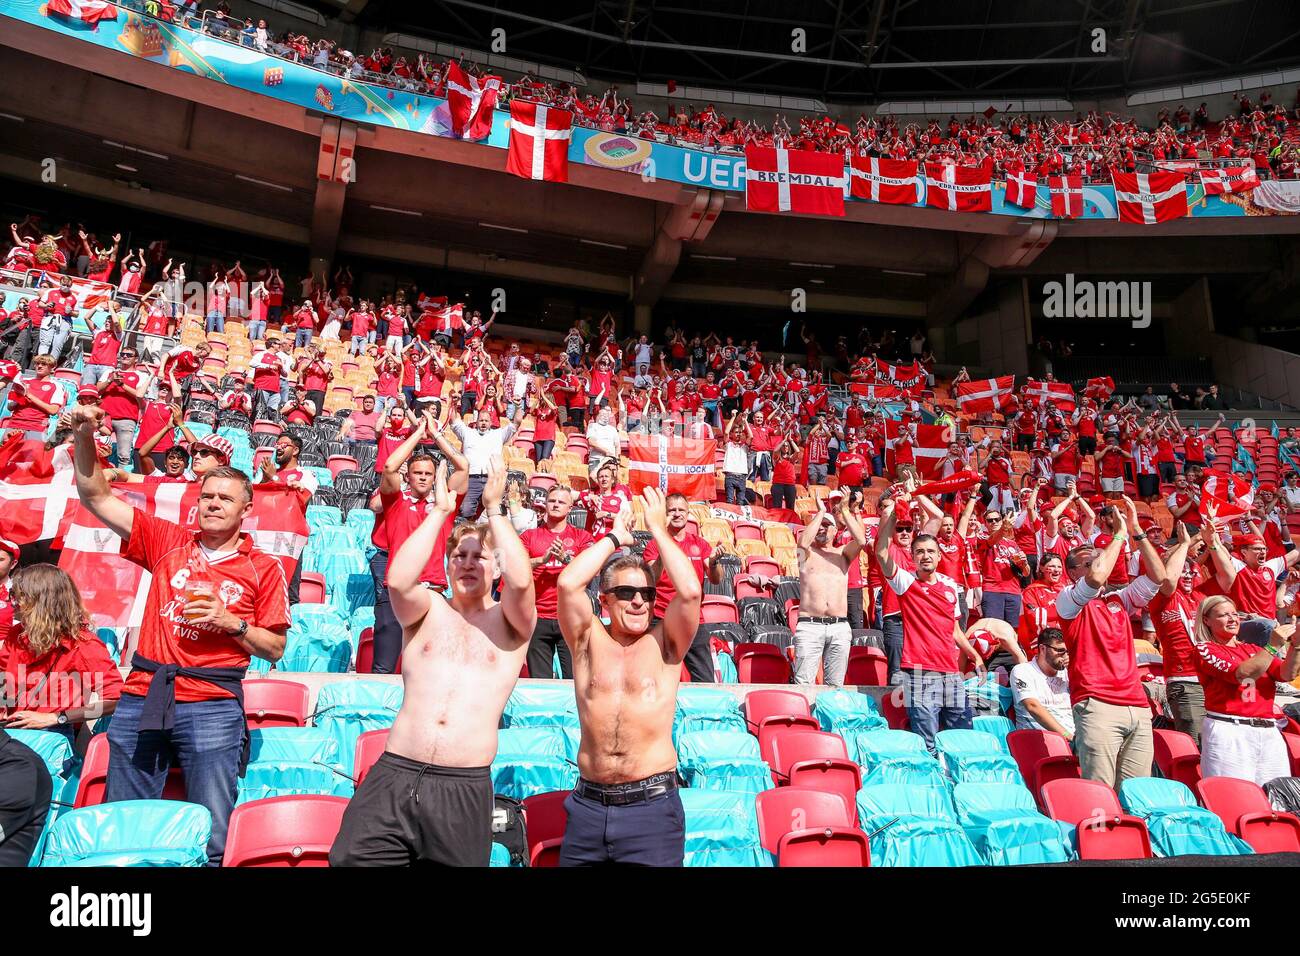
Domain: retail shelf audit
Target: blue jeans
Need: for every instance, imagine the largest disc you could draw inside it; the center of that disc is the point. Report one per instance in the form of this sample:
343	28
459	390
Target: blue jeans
1004	607
90	373
735	488
544	448
53	336
892	626
473	494
762	466
216	322
935	701
124	430
256	329
358	345
302	338
206	741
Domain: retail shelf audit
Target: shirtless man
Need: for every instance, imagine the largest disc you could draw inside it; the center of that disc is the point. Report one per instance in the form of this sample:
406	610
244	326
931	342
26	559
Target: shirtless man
823	627
625	807
429	797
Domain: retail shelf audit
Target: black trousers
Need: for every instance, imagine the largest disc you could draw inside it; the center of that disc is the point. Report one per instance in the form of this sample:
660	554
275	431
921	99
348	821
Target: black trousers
406	813
856	619
388	631
541	651
25	791
699	659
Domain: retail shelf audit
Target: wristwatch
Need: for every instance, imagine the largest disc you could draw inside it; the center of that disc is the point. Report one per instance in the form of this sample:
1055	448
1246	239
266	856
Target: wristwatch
243	629
613	537
61	719
1139	537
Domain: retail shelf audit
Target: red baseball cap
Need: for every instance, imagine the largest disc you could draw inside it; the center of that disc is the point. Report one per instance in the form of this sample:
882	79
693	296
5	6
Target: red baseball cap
9	548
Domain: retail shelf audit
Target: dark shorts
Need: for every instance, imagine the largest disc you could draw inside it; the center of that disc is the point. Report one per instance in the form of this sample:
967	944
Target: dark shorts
406	812
1148	486
652	833
1087	444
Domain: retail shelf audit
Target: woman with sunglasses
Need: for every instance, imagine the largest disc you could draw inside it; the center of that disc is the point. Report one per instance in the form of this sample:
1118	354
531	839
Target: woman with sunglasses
1003	565
1240	737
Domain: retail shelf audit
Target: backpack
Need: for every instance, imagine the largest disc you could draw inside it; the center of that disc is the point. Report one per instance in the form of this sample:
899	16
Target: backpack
508	828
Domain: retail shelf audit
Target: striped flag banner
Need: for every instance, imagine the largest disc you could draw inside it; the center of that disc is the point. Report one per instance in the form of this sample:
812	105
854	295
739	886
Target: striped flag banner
673	465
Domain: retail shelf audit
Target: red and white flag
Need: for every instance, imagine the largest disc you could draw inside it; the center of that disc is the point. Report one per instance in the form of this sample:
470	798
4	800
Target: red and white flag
673	465
1148	198
929	449
33	496
1022	189
1060	394
959	188
909	378
114	589
1229	179
1100	389
893	181
88	11
877	393
793	180
471	101
539	142
1067	195
986	394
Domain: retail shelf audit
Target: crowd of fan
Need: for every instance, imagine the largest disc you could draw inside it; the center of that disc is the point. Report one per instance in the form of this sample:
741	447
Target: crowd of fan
1257	133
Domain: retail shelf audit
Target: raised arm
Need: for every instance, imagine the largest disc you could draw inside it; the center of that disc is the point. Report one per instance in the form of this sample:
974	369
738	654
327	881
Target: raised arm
1104	562
518	600
1175	562
1224	572
573	604
1155	568
681	619
391	481
853	547
885	535
92	487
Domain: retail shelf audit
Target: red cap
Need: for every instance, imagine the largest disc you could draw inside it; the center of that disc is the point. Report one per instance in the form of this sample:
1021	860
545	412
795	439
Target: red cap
9	548
88	391
1240	541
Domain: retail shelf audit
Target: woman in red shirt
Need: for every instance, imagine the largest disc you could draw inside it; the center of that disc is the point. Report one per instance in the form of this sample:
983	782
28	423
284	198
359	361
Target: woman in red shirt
56	673
1239	737
1002	565
787	455
545	415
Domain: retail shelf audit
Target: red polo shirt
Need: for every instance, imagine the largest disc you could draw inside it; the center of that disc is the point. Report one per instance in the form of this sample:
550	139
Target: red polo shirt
696	549
401	514
250	582
538	541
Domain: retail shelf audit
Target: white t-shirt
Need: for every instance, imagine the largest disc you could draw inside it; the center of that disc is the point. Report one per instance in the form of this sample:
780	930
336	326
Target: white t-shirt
736	459
604	435
1029	682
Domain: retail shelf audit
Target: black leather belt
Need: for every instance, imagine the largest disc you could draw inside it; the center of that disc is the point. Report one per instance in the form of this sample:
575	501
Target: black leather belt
1244	721
823	620
622	794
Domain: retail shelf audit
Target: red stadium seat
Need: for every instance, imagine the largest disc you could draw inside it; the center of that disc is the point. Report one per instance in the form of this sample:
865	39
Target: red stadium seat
763	567
777	725
94	776
1042	756
820	761
868	667
1104	831
543	481
366	653
792	615
895	714
370	746
293	830
264	426
338	463
760	664
827	847
544	822
546	854
745	588
788	809
718	609
276	703
311	588
773	703
748	531
1293	750
1245	810
1177	757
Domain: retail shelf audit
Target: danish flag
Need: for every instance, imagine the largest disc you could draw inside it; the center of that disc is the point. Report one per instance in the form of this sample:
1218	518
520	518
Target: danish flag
929	447
877	393
1067	195
1022	189
986	394
1100	389
1229	179
959	188
539	142
892	181
673	465
1059	394
1148	198
471	101
87	11
793	180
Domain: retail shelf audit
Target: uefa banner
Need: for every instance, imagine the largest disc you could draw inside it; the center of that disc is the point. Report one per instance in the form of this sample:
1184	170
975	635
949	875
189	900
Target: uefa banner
233	64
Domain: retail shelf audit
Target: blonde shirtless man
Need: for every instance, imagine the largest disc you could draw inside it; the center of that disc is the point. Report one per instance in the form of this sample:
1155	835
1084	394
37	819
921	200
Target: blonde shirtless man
429	797
823	635
625	807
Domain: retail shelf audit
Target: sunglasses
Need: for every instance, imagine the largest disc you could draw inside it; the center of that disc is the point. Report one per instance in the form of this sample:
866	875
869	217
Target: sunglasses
626	593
